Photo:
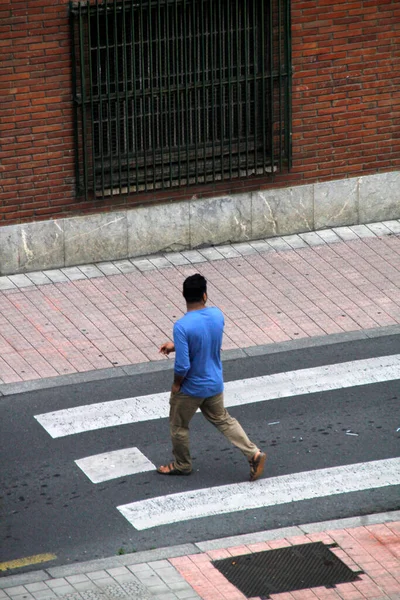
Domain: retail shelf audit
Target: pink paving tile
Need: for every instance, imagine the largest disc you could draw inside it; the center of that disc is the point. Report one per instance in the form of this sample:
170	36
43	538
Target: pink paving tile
21	367
7	373
238	550
218	554
259	547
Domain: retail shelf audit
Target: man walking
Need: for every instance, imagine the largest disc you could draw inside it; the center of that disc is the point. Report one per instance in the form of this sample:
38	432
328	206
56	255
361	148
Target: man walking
198	381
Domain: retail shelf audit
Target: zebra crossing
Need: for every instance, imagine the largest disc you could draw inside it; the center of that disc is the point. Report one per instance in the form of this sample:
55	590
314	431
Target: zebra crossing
171	508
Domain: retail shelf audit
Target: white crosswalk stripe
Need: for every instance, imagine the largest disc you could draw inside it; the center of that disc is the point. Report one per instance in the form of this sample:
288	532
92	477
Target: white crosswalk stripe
257	389
219	500
175	508
118	463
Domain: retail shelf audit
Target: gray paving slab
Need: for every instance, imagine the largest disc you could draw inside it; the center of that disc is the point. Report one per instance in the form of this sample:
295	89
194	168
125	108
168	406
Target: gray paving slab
91	271
85	567
6	283
249	538
193	256
228	251
379	229
20	281
23	579
295	241
261	246
125	266
143	264
311	238
278	244
244	248
56	276
148	556
394	226
329	236
176	258
362	231
73	273
211	254
345	233
161	262
108	268
38	278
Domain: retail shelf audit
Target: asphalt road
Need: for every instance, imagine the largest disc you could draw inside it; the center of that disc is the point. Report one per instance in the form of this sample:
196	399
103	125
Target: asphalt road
47	504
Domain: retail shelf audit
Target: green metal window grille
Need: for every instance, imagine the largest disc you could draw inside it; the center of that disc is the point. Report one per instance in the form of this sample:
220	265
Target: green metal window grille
173	93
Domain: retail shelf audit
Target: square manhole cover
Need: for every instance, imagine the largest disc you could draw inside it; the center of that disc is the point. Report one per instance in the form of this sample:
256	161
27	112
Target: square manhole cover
285	570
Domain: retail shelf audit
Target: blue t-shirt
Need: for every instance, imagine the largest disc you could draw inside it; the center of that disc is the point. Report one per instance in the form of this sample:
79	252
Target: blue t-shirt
198	340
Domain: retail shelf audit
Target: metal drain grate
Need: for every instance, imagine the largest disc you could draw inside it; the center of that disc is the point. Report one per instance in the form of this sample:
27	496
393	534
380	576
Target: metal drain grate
285	570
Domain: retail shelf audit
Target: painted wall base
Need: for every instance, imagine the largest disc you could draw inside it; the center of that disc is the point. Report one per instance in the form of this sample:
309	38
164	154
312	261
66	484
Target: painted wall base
197	223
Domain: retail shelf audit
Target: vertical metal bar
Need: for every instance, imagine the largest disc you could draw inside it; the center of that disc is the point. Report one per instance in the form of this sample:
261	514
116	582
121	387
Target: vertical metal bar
127	131
72	21
178	90
83	94
100	94
280	84
263	100
91	85
204	117
143	77
230	98
151	77
246	78
160	89
135	100
185	44
288	127
195	72
255	74
271	89
171	121
108	86
238	83
118	139
212	77
221	86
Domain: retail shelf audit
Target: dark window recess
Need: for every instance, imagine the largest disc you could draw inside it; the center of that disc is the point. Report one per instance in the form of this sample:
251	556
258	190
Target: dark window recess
172	93
285	570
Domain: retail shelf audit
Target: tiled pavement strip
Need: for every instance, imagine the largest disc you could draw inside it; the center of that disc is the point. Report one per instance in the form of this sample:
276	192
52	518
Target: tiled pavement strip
370	543
103	318
110	316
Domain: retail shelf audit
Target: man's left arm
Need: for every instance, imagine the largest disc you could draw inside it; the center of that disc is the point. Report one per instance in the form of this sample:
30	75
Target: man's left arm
182	360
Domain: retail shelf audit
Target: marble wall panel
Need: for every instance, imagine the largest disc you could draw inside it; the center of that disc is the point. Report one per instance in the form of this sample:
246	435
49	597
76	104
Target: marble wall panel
336	203
95	238
282	211
158	228
31	247
380	197
220	220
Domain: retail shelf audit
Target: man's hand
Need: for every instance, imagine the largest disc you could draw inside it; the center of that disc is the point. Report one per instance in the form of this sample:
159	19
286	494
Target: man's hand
176	387
167	348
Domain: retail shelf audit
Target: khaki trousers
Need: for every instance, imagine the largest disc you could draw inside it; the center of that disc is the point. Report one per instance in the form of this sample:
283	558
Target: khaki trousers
183	408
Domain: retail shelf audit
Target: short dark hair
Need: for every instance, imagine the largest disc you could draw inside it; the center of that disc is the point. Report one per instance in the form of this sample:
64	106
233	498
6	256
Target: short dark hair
194	288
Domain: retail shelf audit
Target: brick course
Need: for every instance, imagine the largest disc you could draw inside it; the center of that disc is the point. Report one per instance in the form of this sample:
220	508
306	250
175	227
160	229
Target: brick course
346	105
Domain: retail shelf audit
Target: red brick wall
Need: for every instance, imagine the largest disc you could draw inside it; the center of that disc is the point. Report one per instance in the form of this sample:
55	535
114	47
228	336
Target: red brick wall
346	104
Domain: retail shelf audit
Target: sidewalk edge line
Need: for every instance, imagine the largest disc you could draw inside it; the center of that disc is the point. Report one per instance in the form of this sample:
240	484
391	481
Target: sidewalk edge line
148	556
9	389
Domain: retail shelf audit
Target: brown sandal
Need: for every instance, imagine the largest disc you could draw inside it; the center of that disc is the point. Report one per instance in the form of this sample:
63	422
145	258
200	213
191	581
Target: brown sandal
257	465
171	470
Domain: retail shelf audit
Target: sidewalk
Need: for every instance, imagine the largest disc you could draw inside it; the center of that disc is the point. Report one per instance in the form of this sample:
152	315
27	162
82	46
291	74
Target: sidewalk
108	319
110	316
370	544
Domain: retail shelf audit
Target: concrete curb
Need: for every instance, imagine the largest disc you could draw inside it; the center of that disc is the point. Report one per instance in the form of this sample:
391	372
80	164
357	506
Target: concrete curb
9	389
149	556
